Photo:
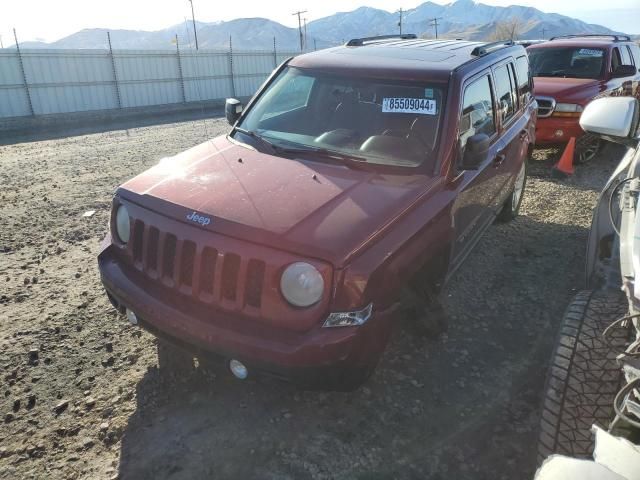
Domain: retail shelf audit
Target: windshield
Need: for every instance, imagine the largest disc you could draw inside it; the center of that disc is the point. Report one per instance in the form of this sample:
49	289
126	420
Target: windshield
570	62
373	121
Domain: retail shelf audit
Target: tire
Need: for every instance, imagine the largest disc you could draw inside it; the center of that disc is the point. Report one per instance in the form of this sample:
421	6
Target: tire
583	377
511	206
587	148
174	363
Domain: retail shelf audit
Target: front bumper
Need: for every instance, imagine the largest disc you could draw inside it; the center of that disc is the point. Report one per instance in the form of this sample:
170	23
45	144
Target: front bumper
206	331
547	130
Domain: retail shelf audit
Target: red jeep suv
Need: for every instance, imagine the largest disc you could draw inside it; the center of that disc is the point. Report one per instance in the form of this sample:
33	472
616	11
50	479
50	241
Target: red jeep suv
355	174
571	71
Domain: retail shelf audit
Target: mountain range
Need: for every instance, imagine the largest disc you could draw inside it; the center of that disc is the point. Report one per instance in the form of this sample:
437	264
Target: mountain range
460	19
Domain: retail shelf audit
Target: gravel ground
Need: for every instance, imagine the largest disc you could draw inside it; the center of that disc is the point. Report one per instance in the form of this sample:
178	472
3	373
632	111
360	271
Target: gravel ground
81	396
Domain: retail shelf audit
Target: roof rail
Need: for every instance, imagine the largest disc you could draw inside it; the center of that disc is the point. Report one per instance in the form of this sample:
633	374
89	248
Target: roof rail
358	42
481	50
616	38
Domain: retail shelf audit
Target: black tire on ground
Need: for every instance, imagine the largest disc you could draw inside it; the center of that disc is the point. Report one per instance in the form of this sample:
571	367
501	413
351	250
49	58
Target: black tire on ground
587	148
174	363
583	377
511	206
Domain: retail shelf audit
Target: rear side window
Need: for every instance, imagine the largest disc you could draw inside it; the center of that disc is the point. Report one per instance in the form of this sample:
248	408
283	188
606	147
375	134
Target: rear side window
616	60
635	52
505	91
524	80
624	55
477	111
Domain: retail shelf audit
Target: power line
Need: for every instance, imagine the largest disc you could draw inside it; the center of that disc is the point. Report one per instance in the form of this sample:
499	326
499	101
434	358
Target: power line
300	26
193	19
434	23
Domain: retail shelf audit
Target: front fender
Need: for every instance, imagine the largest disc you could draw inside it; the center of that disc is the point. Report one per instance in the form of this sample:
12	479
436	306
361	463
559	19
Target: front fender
602	261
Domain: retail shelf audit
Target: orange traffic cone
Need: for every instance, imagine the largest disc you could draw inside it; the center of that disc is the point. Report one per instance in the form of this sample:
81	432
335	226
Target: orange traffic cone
564	167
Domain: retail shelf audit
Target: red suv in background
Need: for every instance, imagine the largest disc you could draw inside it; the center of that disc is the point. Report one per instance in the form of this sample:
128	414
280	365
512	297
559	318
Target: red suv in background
572	70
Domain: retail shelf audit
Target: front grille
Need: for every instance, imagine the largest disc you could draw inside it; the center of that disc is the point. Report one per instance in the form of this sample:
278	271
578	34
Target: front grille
201	271
546	106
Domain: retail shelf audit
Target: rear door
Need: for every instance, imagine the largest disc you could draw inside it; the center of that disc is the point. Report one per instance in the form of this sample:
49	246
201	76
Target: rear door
513	124
477	189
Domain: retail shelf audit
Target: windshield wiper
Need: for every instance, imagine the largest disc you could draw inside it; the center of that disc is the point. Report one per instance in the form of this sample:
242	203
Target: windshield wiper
252	134
323	152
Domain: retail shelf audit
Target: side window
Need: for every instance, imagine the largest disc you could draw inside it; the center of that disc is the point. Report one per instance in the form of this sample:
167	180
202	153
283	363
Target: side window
616	61
294	95
505	93
635	54
524	79
477	111
624	55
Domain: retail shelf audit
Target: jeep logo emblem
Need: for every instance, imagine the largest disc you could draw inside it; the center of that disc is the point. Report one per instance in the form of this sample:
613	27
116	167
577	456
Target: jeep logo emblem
194	217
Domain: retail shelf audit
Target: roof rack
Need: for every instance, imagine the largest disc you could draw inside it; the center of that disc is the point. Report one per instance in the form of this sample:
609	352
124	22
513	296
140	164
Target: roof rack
481	50
358	42
616	38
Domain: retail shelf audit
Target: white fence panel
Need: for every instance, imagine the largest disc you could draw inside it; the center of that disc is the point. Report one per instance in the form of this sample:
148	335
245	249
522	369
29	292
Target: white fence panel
63	81
13	96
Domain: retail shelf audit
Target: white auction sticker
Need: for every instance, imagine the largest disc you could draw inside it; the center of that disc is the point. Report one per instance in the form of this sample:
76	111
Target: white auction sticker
422	106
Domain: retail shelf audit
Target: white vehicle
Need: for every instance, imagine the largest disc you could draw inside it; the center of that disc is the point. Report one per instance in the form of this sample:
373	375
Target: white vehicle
593	385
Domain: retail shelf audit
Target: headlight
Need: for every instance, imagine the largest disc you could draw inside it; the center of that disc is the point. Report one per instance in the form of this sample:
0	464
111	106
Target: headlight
349	319
568	108
301	284
123	227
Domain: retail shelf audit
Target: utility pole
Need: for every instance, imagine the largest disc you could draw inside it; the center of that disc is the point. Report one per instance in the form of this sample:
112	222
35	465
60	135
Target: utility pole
300	26
400	22
543	30
306	46
1	44
434	23
193	19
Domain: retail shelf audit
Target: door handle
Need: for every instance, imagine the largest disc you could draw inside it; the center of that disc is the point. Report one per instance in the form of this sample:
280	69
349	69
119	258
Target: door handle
499	158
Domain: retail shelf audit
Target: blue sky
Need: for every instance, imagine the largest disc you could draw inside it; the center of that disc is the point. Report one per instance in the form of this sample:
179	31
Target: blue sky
52	19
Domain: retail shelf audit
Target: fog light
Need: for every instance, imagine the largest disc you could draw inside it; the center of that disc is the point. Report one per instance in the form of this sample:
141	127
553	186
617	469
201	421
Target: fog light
558	133
133	319
238	369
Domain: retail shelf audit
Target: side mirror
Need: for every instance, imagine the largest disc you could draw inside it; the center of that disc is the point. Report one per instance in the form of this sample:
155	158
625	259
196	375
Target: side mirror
614	118
232	110
624	71
475	151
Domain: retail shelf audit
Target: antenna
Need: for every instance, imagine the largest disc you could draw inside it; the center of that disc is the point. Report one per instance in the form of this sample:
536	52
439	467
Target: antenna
400	21
300	27
434	23
543	30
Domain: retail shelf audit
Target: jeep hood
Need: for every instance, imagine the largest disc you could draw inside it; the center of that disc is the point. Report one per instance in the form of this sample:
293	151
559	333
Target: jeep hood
568	90
324	210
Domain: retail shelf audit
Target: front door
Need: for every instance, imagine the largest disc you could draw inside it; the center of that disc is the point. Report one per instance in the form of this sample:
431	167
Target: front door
478	188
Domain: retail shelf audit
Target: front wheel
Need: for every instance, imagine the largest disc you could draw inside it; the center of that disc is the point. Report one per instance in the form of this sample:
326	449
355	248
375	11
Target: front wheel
584	377
587	147
511	207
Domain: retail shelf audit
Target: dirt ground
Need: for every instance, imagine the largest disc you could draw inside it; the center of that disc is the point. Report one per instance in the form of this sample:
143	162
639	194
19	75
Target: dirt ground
81	396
